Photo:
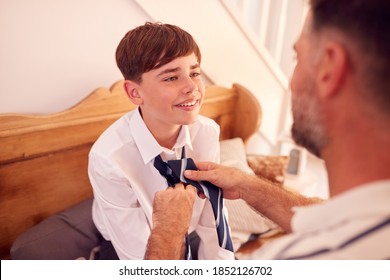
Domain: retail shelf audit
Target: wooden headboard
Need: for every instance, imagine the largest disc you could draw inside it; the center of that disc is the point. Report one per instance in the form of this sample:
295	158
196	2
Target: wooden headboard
43	159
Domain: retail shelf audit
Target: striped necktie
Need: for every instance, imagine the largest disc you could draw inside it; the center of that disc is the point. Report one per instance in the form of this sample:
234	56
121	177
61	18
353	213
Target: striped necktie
173	171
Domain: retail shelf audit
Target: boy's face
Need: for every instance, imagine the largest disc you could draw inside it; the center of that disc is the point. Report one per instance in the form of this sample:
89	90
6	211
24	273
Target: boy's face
171	95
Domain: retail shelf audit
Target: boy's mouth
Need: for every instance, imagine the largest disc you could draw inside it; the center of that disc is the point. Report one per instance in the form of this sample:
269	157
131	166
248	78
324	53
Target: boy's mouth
187	104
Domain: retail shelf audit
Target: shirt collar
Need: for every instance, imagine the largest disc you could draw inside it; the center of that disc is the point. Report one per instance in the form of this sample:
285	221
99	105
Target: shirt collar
148	146
184	138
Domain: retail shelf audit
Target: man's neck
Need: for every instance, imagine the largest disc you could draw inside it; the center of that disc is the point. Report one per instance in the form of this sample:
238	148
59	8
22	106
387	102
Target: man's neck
357	158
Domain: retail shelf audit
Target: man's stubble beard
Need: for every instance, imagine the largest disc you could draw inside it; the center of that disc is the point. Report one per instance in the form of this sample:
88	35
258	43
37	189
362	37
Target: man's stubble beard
308	128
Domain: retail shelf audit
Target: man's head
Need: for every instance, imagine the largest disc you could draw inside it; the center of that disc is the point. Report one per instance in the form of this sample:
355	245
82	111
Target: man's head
353	35
151	46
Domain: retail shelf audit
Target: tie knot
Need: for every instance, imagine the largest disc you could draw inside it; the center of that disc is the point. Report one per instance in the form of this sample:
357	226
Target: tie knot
166	171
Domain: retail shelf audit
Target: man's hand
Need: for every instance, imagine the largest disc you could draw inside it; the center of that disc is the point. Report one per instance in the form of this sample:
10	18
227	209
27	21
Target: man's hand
172	208
227	178
272	201
172	213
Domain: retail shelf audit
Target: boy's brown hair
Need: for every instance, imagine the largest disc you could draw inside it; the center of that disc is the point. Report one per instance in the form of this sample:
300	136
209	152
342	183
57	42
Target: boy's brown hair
151	46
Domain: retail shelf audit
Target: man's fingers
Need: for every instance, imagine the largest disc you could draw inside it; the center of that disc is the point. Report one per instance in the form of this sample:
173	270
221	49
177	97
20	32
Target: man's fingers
191	188
179	186
195	175
200	175
201	195
205	165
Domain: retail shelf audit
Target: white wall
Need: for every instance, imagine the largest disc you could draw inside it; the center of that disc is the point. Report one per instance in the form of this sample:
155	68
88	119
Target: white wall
54	52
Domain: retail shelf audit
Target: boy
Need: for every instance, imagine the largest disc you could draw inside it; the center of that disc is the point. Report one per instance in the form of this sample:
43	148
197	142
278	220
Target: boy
161	67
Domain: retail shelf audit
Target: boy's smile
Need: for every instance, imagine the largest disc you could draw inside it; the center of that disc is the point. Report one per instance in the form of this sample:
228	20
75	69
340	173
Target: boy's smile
190	105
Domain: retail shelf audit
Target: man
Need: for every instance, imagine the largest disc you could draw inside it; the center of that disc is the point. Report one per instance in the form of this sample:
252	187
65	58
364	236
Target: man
341	110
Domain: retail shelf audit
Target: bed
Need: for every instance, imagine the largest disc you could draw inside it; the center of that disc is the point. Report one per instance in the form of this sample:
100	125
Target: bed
45	192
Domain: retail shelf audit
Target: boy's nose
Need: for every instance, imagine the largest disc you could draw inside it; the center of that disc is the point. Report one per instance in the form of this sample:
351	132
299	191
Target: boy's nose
190	86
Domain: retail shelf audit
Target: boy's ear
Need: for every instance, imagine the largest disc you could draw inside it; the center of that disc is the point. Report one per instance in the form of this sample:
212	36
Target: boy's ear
132	92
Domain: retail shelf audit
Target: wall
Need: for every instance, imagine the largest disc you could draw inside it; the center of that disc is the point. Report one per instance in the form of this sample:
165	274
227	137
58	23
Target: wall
54	52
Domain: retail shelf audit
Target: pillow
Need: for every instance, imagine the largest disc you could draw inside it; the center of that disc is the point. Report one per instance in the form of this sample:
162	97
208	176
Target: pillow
243	220
70	234
269	167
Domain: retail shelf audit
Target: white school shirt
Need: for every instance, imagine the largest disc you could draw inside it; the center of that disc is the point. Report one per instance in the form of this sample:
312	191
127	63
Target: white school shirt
124	182
352	225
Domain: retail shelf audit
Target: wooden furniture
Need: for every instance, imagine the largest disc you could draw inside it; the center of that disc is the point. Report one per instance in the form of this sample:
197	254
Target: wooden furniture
43	159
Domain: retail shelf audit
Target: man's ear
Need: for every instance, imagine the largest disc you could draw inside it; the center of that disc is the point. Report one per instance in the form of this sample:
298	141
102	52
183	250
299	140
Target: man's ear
132	91
332	69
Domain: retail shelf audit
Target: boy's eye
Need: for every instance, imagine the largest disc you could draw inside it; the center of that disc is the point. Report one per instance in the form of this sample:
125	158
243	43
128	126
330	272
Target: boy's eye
169	79
174	78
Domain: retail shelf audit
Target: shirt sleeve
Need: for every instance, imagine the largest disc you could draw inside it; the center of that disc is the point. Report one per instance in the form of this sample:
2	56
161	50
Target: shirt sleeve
116	210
